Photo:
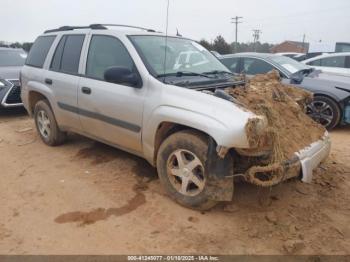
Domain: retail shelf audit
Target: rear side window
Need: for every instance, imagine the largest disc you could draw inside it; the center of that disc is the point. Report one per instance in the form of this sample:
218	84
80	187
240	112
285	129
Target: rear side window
335	61
67	55
232	64
253	66
39	50
105	52
315	62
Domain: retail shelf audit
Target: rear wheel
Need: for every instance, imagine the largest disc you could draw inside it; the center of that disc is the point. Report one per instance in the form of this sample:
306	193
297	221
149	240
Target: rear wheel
325	111
46	124
181	168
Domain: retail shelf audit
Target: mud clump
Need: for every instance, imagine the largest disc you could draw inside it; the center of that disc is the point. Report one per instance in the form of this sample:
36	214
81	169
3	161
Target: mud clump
289	129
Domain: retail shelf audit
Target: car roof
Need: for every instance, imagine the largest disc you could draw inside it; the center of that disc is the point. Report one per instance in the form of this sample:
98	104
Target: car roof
119	29
327	55
250	54
290	53
11	49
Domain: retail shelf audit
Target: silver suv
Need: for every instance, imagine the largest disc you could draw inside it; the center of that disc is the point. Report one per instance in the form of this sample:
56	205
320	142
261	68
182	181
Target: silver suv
129	89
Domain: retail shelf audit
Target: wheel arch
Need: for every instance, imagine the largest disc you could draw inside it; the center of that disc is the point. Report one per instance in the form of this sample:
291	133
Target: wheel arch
166	129
33	98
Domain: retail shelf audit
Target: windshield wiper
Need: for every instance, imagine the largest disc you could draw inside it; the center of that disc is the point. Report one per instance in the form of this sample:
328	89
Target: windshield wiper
183	73
216	72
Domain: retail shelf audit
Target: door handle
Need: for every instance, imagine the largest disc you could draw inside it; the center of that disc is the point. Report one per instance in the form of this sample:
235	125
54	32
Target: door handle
86	90
48	81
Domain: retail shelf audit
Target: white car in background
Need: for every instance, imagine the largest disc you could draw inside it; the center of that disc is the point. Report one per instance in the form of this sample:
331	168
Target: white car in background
189	59
338	63
294	55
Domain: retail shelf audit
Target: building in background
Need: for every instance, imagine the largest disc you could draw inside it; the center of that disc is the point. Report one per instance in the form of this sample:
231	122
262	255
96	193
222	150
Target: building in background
290	46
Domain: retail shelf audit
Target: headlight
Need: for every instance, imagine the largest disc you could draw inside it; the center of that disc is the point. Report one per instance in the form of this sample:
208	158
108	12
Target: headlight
4	83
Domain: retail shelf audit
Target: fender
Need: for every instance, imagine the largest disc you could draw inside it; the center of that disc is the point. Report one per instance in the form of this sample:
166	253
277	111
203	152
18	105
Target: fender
34	86
231	134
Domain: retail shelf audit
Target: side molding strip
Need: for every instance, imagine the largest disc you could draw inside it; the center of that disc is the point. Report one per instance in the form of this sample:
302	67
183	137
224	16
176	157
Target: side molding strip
104	118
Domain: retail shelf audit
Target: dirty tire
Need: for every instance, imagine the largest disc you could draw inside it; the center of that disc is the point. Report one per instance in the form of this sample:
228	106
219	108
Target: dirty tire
55	137
194	143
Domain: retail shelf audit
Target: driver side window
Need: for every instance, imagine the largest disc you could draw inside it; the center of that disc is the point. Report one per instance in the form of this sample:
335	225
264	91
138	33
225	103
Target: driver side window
105	52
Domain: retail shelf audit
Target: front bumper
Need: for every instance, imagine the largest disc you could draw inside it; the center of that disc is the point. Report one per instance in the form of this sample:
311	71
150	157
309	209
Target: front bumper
304	162
10	94
311	156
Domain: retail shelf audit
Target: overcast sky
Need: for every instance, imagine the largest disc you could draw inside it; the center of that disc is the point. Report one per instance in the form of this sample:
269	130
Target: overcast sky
326	20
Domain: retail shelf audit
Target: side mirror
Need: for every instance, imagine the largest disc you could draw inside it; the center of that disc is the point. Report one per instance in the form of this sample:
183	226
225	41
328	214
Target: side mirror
296	79
122	75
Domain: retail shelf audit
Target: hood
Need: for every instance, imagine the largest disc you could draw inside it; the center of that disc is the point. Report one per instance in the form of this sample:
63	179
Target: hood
10	72
335	80
330	76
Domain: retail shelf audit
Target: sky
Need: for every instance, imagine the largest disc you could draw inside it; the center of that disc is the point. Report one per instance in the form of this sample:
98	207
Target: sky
278	20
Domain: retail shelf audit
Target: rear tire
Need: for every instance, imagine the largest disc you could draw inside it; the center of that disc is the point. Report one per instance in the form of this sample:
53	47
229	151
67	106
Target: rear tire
46	124
180	162
325	111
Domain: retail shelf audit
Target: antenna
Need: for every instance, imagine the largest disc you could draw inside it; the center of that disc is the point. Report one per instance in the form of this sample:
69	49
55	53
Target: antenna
166	37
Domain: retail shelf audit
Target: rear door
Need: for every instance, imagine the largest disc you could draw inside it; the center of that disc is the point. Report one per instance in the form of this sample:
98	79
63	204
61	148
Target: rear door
63	77
108	111
334	64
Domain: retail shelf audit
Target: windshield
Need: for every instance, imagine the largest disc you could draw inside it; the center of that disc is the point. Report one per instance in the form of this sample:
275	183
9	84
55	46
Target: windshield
12	57
182	55
289	64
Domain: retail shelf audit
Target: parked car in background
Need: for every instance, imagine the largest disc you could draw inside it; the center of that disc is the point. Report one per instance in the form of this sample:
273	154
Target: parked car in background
331	104
11	62
338	63
190	58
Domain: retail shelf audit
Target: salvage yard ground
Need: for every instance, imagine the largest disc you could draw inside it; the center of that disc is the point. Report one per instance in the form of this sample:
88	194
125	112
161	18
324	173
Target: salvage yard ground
88	198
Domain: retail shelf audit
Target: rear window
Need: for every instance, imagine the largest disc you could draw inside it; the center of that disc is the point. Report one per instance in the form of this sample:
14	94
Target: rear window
39	50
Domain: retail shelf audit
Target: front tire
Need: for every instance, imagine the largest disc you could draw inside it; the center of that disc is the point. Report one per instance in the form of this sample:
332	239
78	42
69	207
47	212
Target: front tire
181	168
46	124
325	111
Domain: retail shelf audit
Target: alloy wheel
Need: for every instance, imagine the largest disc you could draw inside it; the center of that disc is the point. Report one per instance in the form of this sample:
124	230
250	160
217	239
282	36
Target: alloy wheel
44	124
186	172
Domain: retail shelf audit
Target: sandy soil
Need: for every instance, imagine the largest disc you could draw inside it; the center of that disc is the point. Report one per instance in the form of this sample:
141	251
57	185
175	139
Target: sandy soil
88	198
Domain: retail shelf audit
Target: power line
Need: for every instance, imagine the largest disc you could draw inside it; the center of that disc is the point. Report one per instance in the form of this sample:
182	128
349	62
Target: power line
235	20
302	13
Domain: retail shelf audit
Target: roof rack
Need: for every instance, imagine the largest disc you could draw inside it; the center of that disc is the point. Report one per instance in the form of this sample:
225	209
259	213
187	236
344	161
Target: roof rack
128	26
94	26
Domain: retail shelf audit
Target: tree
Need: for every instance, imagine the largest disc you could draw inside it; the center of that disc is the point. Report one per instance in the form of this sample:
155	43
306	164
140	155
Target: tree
221	46
206	44
26	46
16	45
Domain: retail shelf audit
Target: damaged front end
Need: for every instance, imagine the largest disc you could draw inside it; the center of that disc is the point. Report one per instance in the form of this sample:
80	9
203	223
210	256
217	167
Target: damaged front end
283	142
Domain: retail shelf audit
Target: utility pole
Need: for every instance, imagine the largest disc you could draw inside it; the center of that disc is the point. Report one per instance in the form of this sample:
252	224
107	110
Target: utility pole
256	36
235	20
304	49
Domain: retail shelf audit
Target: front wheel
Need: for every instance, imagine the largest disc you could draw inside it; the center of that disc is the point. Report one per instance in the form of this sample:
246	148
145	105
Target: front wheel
181	168
325	111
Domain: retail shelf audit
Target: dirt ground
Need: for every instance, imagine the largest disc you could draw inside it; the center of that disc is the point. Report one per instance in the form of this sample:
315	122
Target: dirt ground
88	198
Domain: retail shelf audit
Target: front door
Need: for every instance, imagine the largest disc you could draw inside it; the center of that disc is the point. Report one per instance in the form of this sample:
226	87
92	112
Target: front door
110	112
